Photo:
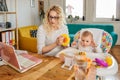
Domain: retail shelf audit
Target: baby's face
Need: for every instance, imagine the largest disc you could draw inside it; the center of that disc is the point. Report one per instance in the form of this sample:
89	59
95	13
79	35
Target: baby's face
86	41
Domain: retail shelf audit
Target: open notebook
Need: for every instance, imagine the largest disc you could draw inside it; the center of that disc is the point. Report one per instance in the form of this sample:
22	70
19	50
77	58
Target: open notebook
20	62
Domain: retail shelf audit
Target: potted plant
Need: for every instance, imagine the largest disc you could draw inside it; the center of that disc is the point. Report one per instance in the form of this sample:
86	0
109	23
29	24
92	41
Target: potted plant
41	14
77	18
70	18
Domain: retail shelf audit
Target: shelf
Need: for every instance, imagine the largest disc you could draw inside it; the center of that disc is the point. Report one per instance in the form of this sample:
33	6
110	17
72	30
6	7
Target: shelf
9	16
6	29
2	12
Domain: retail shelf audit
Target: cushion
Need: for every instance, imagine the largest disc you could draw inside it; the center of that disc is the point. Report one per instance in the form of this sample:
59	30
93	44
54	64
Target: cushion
33	33
106	42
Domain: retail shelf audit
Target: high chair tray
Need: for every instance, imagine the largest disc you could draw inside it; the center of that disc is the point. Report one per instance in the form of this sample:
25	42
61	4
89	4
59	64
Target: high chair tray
68	52
101	56
104	71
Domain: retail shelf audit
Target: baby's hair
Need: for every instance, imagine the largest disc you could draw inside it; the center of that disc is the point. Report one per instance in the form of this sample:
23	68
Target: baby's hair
87	33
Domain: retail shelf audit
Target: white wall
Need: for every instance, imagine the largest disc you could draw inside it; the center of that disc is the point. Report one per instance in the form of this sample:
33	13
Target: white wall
117	30
25	14
49	3
29	16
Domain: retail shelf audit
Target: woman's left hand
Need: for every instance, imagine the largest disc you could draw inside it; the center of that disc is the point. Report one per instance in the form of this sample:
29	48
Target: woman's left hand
60	40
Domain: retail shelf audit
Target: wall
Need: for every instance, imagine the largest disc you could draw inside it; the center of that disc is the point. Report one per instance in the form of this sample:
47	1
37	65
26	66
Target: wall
117	30
25	14
28	15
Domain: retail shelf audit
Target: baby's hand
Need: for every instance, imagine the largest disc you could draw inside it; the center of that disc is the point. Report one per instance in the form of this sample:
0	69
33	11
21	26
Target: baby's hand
74	43
93	44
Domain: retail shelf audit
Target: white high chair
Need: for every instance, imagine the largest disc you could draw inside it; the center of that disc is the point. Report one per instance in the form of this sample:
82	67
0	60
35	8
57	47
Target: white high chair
101	37
105	43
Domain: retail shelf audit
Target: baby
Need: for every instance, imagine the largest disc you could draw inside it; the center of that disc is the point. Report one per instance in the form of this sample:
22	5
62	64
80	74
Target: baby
86	43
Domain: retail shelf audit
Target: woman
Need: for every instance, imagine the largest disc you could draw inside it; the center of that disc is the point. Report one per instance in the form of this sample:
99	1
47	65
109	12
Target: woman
49	39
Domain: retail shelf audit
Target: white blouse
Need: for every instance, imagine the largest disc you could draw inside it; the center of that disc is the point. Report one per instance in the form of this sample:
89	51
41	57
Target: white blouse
43	39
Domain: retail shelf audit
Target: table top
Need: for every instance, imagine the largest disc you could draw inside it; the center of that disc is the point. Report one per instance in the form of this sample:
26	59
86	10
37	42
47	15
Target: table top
49	69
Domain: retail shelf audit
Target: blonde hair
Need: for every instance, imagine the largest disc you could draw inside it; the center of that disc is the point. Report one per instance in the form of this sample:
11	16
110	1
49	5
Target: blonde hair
87	33
61	20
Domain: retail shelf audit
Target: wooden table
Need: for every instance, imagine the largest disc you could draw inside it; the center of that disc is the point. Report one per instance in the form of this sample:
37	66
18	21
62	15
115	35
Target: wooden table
49	69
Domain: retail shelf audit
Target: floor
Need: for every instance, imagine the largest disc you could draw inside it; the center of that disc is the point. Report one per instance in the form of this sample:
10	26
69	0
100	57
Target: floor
115	51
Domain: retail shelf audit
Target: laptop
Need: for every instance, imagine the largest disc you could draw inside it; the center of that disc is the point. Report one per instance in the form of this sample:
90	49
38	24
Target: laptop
20	62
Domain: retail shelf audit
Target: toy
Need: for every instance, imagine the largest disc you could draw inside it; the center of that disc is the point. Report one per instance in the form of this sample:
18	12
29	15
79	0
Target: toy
66	39
81	56
82	53
101	62
108	59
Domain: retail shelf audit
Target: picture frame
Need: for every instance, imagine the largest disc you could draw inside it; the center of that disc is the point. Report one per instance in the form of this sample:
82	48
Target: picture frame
32	3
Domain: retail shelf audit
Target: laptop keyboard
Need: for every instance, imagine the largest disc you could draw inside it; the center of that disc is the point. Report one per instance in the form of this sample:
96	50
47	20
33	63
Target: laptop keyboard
24	62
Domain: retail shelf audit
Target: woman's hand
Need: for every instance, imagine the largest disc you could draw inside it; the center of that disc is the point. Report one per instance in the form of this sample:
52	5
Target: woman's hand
59	40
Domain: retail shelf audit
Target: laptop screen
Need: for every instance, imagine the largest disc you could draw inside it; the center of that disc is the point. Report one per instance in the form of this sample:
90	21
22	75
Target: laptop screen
8	55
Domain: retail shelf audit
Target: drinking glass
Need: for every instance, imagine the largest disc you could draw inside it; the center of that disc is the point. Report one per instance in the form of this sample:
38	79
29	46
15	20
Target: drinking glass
79	67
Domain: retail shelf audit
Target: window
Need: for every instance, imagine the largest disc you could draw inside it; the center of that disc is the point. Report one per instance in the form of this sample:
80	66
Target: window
74	8
94	10
106	8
